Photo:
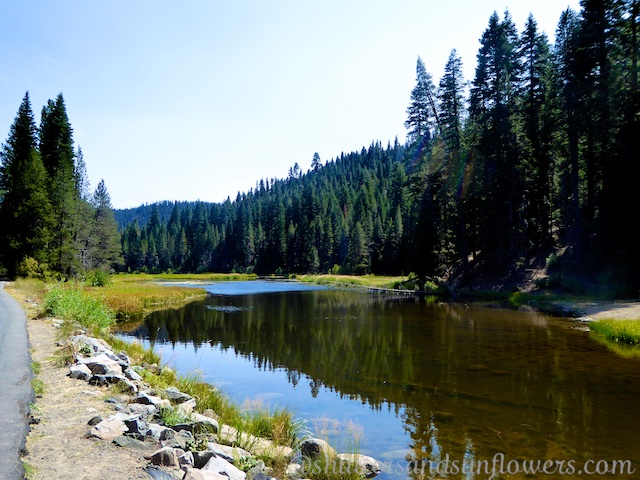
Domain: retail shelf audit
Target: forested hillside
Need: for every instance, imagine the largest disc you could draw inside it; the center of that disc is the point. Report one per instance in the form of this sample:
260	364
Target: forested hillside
535	157
537	153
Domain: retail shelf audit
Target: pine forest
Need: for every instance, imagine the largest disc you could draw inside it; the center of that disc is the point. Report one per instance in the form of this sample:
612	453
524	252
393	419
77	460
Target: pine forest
532	162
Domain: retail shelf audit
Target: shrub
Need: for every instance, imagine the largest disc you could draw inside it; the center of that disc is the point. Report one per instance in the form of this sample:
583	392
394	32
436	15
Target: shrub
98	278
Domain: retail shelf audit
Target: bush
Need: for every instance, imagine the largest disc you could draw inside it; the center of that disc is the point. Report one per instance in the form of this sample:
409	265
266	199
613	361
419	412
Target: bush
99	278
30	268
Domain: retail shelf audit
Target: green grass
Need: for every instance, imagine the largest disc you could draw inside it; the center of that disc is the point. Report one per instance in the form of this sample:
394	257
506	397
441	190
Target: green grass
37	387
181	277
71	304
375	281
618	331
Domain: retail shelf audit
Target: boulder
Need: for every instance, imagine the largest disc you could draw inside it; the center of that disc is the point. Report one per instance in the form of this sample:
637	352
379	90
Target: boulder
137	426
366	466
157	431
132	375
108	429
314	447
101	364
221	466
205	423
195	474
185	460
110	379
230	454
186	408
176	396
148	399
166	456
80	372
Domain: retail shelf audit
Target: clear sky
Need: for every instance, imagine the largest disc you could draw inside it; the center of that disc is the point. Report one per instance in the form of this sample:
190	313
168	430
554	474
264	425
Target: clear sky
197	100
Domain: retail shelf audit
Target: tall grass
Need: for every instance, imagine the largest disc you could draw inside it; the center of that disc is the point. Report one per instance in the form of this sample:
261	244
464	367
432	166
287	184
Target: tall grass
132	300
72	304
619	331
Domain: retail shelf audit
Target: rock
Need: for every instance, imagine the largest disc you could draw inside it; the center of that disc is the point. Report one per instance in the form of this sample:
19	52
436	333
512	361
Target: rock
176	396
259	446
140	409
147	399
157	431
137	426
221	466
109	429
230	454
152	367
181	439
194	474
80	372
260	472
186	408
365	466
126	441
95	420
205	423
166	456
315	447
294	470
91	346
102	364
185	460
132	375
109	379
158	474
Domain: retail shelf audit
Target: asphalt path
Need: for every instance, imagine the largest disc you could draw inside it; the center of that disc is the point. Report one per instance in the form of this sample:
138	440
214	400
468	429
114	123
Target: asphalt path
15	385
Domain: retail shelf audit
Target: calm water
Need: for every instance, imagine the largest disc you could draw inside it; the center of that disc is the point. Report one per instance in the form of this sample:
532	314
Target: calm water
412	379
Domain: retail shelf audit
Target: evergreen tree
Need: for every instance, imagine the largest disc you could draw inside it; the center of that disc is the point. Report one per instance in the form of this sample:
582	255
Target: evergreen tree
105	248
25	210
56	150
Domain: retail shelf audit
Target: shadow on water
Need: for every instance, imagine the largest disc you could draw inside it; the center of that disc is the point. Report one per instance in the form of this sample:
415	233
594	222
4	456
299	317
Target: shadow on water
464	381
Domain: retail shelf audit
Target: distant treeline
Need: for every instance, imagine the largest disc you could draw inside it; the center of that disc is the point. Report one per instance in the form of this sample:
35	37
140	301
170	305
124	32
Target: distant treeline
539	152
537	155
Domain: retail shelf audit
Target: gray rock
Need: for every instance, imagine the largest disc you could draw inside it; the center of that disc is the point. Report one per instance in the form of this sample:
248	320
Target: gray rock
132	375
294	470
176	396
95	420
181	440
221	466
101	364
137	426
185	460
126	441
314	447
230	454
147	399
186	408
109	379
80	372
205	423
157	431
365	465
140	409
195	474
166	456
108	429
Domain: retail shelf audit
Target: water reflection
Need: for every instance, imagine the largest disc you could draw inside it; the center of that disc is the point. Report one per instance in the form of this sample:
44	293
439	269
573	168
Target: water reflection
466	381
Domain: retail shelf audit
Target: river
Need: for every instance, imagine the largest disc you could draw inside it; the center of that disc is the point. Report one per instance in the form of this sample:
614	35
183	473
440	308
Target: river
413	381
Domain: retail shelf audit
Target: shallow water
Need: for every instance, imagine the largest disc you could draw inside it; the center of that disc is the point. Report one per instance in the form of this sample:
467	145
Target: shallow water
411	379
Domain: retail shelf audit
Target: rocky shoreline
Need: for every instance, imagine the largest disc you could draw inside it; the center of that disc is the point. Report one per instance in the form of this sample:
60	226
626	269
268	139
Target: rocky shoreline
194	449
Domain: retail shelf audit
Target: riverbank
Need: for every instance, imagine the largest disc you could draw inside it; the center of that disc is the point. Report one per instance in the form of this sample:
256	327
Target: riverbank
61	444
573	307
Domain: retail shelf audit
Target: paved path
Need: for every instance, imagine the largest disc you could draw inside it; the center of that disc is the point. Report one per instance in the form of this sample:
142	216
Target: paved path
15	387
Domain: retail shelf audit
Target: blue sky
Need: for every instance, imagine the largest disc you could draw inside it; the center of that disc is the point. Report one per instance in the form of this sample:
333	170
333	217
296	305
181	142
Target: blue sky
200	99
